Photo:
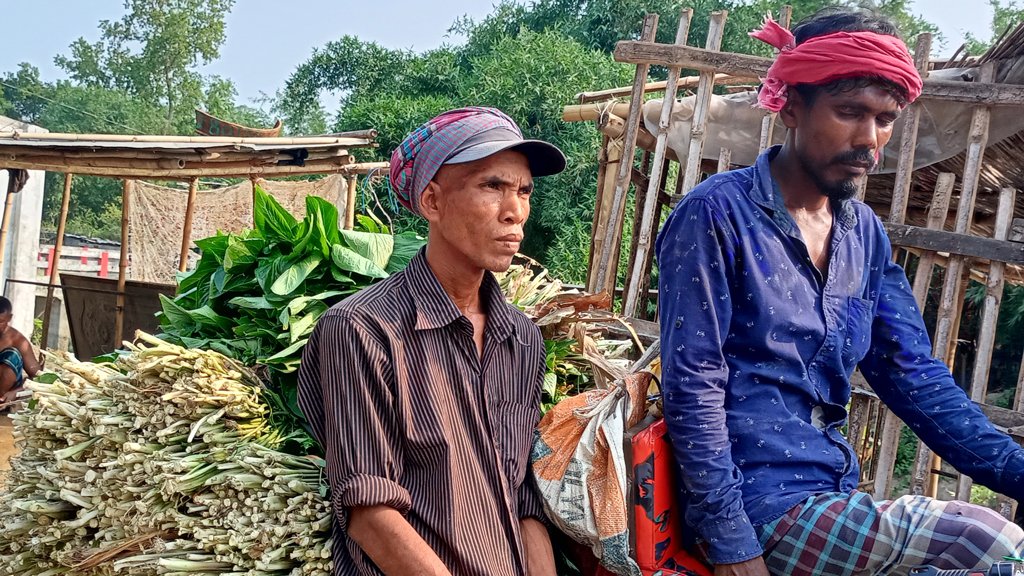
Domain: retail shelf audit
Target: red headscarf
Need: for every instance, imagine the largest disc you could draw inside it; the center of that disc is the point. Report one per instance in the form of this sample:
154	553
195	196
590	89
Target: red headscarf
831	57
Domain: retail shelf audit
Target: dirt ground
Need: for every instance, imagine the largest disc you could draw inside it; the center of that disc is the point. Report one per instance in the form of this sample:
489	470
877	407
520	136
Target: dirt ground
7	448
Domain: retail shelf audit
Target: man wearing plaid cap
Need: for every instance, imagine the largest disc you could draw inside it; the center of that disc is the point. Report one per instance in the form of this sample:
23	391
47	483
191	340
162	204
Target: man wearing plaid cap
424	389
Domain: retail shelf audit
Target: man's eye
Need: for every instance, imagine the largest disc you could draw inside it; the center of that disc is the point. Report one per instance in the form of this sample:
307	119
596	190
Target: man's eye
886	122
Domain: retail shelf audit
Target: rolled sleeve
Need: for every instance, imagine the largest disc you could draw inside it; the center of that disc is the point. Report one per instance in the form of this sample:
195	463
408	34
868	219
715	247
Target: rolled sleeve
365	490
345	391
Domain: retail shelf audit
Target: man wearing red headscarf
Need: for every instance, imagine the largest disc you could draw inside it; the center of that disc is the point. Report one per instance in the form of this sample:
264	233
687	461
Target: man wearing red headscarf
775	284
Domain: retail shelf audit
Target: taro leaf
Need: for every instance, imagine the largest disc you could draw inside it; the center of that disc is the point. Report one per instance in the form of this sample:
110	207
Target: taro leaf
291	278
195	342
252	302
176	315
284	356
407	245
302	326
272	221
328	216
299	304
244	282
214	246
349	261
550	386
241	252
207	317
340	276
376	247
207	265
217	282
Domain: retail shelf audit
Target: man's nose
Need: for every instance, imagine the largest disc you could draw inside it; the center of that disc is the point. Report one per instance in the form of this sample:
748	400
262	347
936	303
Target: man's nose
867	135
517	209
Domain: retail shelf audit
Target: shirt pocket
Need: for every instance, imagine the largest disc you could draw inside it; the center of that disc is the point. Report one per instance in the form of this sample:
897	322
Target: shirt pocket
860	315
516	423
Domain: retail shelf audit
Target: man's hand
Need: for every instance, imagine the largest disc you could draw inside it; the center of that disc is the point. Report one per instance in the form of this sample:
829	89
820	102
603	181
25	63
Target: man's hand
540	558
393	545
752	567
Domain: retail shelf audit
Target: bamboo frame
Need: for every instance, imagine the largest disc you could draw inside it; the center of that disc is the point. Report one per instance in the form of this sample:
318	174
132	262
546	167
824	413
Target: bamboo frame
622	179
989	319
698	127
186	228
8	203
908	141
648	208
122	265
54	268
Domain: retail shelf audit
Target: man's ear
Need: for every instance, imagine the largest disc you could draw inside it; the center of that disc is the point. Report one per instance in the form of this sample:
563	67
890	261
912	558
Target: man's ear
792	108
430	201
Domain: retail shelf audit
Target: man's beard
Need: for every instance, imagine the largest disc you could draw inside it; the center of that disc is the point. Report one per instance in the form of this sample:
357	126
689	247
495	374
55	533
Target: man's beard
838	190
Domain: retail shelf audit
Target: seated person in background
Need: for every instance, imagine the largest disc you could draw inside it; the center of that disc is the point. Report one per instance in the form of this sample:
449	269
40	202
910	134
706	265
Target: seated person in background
16	356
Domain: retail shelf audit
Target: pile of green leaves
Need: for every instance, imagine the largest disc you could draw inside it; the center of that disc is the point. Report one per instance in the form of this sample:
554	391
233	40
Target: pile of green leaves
255	296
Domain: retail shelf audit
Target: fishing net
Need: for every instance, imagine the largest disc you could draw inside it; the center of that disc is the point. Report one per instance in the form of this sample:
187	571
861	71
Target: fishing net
157	218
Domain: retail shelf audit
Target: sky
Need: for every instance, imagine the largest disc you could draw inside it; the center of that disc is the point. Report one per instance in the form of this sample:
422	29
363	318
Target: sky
267	39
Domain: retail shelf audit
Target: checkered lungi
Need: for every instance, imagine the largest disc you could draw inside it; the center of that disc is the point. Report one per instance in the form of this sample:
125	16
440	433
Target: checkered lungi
833	534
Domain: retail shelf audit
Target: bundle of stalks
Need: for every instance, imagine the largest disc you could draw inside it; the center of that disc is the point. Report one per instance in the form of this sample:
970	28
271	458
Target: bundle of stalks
168	468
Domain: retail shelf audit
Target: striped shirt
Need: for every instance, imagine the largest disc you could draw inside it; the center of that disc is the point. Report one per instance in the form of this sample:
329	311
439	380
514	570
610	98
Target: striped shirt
412	417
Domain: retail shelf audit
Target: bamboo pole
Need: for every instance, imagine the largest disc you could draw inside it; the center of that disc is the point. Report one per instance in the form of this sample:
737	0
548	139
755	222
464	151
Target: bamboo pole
703	99
936	219
8	203
122	265
350	206
724	160
647	209
908	141
989	320
684	83
367	167
614	127
280	141
623	177
602	171
186	229
609	232
54	268
245	170
768	122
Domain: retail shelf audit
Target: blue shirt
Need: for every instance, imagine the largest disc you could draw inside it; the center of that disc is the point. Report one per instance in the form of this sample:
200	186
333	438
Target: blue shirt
758	348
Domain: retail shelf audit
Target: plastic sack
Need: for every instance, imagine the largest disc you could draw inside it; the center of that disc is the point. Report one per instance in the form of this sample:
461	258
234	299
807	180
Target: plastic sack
580	465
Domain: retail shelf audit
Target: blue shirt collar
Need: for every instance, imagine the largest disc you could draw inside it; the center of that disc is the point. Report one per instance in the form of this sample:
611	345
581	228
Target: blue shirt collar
766	193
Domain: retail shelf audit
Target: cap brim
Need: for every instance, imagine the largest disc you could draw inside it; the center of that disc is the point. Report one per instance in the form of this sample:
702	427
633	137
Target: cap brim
545	159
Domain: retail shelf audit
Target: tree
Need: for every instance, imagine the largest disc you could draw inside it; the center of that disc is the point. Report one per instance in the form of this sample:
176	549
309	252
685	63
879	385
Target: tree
1004	18
173	38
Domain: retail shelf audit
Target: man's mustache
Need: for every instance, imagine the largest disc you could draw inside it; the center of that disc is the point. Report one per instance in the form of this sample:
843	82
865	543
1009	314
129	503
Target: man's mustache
856	156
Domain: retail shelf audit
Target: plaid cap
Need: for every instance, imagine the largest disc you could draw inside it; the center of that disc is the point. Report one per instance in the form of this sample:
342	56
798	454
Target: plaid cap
418	158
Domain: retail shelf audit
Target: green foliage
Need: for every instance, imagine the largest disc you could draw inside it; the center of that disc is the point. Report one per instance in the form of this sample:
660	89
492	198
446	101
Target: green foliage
152	53
256	296
1004	17
566	372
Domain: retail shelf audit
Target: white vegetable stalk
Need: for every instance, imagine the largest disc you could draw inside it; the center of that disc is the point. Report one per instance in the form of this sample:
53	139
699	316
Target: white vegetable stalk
174	461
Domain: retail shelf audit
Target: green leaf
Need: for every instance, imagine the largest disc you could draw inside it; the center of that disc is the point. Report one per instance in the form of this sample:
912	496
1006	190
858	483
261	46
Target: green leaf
241	252
297	305
340	276
368	224
47	378
291	278
376	247
251	302
215	246
550	386
349	261
283	355
175	315
407	245
271	219
303	326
